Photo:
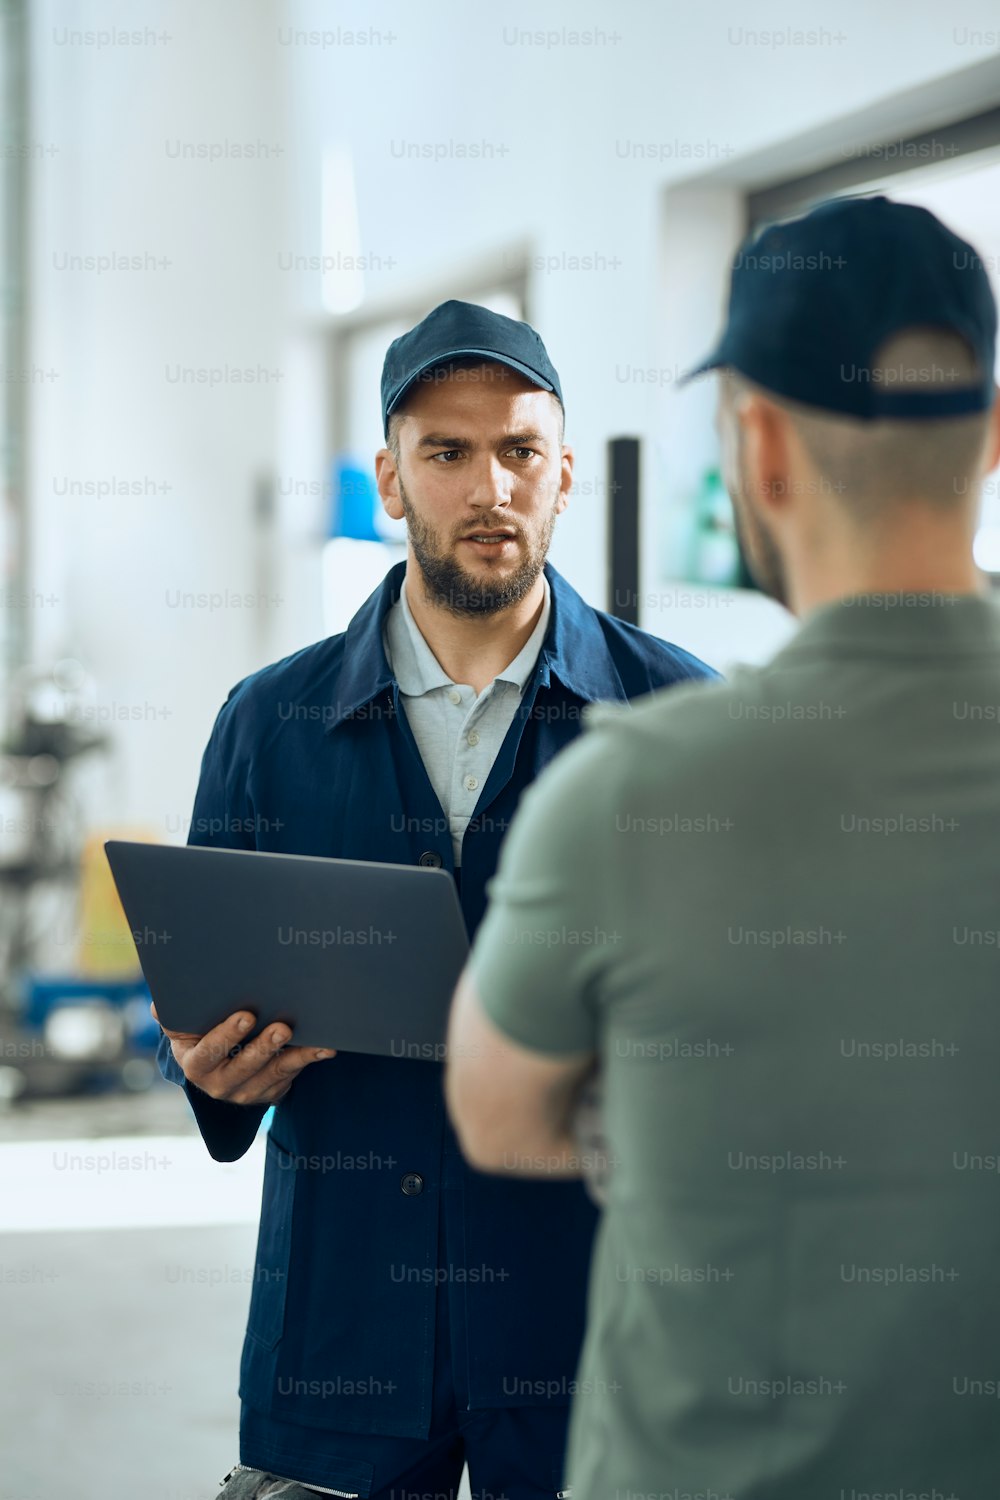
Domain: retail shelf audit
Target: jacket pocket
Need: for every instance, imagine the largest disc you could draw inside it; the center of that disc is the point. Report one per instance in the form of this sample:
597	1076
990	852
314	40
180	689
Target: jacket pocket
266	1322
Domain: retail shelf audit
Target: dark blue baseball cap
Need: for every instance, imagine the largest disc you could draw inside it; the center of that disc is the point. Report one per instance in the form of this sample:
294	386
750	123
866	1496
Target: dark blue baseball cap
811	300
456	330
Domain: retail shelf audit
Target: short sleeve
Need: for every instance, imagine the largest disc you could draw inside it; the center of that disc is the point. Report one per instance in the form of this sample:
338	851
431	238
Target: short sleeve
549	937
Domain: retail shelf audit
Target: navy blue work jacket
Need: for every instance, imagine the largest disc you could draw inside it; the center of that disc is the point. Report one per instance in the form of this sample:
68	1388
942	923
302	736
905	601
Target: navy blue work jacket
314	755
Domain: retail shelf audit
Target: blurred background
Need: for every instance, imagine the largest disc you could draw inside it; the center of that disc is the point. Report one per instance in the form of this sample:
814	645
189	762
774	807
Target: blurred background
215	217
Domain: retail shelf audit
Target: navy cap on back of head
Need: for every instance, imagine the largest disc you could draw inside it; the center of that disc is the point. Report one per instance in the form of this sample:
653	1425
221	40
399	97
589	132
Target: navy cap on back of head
813	299
458	330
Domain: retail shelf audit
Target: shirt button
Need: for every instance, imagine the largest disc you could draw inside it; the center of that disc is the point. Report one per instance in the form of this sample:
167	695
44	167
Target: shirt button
454	696
431	858
471	782
412	1184
472	737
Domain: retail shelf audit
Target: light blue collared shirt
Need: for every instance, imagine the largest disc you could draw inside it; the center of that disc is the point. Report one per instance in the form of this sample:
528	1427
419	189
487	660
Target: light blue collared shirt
458	734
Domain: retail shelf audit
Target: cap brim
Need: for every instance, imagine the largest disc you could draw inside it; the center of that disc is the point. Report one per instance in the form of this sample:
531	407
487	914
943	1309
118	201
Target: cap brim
489	355
715	361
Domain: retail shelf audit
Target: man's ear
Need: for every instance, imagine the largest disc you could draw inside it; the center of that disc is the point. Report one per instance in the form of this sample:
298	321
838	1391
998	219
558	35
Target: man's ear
387	480
766	457
565	480
993	446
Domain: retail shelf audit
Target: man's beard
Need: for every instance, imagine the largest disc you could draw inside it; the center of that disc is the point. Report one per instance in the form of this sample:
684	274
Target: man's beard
450	587
760	552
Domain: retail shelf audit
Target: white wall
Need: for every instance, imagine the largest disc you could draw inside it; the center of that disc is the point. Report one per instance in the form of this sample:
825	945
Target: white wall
566	118
117	564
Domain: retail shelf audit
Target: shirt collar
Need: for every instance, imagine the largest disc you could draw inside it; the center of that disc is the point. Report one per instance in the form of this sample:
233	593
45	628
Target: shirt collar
574	648
519	670
916	624
418	670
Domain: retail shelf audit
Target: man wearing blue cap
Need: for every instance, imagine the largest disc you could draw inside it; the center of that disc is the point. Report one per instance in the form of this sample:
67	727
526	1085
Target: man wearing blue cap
794	1293
408	1314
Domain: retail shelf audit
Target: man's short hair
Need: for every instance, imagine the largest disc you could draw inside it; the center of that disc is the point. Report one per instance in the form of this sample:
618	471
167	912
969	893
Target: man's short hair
869	464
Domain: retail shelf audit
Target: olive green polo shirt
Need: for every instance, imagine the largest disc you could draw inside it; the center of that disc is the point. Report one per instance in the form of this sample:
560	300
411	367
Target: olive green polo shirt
772	908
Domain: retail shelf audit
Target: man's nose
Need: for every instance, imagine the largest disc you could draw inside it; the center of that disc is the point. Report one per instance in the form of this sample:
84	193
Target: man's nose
491	484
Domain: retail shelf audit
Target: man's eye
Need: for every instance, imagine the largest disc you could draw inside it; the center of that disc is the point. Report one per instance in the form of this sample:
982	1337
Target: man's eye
448	454
523	452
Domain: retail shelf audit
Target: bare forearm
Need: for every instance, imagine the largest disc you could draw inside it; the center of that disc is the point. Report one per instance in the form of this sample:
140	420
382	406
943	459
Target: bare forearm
543	1155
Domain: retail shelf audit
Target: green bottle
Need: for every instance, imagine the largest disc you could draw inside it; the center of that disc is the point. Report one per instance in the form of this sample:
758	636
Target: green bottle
715	553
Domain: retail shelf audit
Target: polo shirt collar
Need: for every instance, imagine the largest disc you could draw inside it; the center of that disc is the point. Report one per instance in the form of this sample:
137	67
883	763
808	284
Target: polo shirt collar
418	670
574	648
914	624
519	670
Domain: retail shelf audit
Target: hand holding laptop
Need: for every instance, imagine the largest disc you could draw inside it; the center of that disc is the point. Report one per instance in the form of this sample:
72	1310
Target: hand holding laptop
259	1072
343	954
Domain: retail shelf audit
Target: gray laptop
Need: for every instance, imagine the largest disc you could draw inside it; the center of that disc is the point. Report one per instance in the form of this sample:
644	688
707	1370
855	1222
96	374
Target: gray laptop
351	954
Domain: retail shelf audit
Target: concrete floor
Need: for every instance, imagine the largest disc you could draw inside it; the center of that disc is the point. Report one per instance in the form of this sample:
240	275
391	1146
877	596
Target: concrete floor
123	1299
124	1375
121	1344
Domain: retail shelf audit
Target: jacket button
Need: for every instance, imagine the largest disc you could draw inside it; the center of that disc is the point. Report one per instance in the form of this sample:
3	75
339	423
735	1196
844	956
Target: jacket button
412	1184
431	857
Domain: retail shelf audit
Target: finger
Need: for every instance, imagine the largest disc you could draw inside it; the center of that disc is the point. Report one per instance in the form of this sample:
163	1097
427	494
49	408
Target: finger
277	1077
211	1051
222	1075
251	1057
227	1034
